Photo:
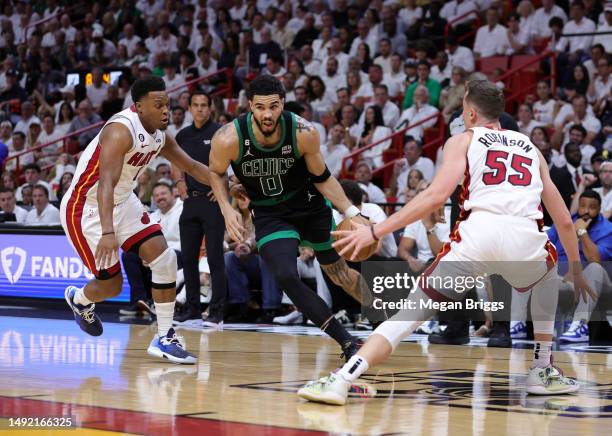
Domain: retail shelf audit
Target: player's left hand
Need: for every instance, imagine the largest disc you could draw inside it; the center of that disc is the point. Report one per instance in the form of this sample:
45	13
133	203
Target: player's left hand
353	240
582	288
107	245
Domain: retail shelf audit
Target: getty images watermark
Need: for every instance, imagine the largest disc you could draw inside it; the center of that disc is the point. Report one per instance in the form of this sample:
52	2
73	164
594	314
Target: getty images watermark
408	282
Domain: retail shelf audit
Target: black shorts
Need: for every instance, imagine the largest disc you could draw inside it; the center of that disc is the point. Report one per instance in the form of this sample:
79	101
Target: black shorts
310	225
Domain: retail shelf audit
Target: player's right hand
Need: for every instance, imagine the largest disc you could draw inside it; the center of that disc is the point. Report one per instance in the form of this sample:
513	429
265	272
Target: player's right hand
582	288
233	223
107	245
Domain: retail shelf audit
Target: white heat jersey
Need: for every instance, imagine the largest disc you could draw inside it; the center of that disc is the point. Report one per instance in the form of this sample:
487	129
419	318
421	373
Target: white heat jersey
145	147
504	174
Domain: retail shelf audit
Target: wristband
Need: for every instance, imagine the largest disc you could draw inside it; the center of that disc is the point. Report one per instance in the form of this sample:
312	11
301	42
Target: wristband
352	212
376	238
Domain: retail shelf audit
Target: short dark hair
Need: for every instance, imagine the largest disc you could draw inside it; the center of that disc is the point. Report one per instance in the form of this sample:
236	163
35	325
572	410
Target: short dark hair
424	62
199	92
32	166
555	21
162	183
4	190
142	87
580	128
265	85
42	188
19	133
295	107
589	193
352	191
487	97
173	108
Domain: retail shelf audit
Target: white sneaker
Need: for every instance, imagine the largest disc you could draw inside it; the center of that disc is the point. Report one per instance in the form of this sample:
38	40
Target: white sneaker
294	317
428	327
342	317
549	381
362	323
332	389
577	332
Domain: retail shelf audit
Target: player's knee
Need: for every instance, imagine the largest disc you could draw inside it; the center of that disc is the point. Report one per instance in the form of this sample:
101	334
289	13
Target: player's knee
393	331
163	270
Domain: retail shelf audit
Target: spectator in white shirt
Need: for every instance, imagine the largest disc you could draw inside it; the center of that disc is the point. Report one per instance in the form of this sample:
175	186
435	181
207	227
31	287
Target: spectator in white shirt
19	143
519	39
452	10
578	24
606	26
8	205
420	110
288	80
597	52
333	79
410	13
364	35
309	65
543	15
599	88
274	66
282	34
67	28
363	176
98	90
374	130
578	115
544	108
390	111
414	159
492	38
527	19
178	121
31	174
605	191
375	76
526	122
321	45
541	139
129	40
349	122
27	116
441	72
165	42
397	76
48	135
168	212
6	134
428	236
458	55
106	47
43	213
321	99
384	57
334	150
172	80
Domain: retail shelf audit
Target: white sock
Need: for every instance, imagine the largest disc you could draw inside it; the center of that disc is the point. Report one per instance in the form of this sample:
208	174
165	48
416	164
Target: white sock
165	314
352	369
80	298
541	353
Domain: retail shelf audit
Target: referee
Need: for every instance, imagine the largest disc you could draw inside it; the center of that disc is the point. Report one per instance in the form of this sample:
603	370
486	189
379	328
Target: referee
200	217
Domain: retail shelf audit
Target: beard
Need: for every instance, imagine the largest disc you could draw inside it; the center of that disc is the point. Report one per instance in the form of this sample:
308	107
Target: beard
587	217
265	133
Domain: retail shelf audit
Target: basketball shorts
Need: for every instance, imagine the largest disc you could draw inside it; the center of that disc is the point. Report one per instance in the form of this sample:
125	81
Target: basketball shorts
81	222
311	226
486	244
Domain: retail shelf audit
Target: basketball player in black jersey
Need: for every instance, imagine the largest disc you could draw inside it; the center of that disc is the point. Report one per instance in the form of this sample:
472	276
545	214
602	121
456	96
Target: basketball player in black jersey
275	155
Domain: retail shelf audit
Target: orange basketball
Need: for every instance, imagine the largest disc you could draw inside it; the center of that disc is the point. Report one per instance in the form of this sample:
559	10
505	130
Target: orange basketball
364	253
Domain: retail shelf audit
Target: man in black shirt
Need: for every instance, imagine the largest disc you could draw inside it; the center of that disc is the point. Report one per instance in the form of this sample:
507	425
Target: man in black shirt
201	216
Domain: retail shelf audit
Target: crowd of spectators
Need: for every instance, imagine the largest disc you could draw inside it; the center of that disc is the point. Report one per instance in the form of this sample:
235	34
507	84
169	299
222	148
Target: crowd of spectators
358	70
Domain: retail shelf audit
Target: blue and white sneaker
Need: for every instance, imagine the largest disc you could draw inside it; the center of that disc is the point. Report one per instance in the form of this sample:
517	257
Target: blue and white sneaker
518	330
577	332
170	347
85	317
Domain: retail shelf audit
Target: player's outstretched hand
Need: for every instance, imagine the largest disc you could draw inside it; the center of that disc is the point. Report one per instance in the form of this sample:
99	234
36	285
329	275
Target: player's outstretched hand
233	223
582	288
104	252
353	240
211	196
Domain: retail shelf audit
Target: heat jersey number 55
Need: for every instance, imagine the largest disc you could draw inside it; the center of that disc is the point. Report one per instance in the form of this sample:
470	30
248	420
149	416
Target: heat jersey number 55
497	160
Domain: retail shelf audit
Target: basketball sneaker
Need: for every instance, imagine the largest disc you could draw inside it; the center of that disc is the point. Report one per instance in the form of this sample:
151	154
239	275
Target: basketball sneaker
293	317
332	389
518	330
84	316
170	347
549	381
578	331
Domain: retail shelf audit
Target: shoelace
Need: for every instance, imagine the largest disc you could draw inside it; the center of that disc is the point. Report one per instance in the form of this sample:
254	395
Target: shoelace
176	340
88	314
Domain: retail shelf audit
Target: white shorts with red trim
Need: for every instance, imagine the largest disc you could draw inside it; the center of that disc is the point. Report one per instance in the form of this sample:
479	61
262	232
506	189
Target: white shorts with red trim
81	222
486	244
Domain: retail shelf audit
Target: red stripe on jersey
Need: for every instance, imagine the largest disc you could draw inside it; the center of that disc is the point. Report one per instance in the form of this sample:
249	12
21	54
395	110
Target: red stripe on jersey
136	238
74	210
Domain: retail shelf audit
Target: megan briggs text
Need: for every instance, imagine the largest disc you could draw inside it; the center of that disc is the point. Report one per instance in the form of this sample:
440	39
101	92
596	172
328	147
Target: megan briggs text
443	306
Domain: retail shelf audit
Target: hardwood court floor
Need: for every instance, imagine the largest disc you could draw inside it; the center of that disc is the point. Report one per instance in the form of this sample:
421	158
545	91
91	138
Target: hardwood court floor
245	384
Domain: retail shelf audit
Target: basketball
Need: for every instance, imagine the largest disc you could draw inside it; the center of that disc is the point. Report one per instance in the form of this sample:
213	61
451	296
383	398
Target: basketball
364	253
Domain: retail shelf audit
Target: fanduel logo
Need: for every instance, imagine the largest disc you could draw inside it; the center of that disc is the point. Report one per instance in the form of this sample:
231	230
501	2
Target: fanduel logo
7	256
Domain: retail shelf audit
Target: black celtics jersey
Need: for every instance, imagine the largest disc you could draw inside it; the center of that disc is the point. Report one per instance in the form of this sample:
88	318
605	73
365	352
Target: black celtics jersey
273	175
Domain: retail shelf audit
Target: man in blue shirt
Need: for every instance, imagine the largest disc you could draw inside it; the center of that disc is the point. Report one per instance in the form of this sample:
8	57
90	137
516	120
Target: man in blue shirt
595	243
